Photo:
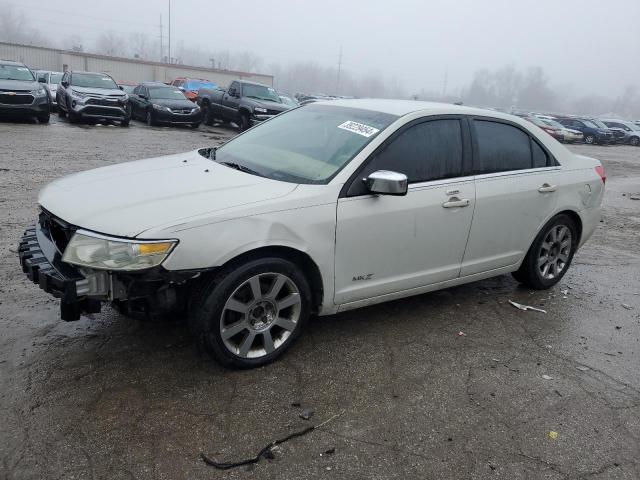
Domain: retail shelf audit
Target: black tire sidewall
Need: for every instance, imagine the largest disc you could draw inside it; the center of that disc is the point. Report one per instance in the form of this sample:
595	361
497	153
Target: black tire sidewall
206	318
530	272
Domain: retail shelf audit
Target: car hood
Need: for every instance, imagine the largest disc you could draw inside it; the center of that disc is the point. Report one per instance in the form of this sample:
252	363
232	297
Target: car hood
18	85
111	92
130	198
171	103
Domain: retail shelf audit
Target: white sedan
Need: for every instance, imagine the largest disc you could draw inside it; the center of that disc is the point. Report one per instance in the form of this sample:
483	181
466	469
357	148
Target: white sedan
328	207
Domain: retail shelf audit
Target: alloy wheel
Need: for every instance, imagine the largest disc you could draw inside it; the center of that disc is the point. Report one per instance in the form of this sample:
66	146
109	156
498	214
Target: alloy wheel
260	315
555	252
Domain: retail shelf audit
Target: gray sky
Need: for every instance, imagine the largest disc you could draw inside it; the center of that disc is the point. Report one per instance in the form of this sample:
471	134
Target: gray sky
589	46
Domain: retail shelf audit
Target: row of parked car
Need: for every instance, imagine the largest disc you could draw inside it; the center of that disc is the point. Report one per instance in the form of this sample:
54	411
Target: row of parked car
97	97
590	130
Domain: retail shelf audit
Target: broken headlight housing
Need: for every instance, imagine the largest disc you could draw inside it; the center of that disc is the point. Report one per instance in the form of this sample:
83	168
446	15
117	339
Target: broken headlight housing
92	250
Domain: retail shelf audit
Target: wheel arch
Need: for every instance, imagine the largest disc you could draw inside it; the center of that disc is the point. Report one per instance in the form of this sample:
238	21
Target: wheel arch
576	218
300	258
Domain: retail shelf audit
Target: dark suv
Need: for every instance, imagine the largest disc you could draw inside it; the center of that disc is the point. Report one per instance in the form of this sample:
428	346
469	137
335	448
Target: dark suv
94	96
592	133
21	94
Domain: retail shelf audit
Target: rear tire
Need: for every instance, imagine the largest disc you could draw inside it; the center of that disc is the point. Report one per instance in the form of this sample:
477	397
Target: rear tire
249	315
550	254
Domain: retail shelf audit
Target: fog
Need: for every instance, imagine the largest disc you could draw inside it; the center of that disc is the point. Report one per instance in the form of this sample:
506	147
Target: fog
584	54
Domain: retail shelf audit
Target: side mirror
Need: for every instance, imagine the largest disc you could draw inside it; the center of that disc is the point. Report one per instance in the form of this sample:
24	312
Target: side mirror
384	182
65	84
142	96
181	89
121	87
231	92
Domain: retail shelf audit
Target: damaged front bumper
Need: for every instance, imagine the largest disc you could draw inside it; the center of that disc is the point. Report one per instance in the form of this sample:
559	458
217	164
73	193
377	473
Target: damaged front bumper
148	293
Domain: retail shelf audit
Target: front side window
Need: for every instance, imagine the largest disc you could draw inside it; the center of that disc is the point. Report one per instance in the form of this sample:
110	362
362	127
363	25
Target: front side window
92	80
427	151
55	77
501	147
16	72
306	145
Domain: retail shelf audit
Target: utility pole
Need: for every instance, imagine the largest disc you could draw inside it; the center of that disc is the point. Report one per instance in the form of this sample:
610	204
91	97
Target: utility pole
169	31
339	69
161	40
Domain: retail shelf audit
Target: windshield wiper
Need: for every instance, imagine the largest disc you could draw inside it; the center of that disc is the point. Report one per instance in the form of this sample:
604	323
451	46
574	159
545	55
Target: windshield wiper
241	168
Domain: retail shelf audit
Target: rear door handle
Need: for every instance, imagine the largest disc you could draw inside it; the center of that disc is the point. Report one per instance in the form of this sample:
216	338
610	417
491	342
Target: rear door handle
546	188
455	202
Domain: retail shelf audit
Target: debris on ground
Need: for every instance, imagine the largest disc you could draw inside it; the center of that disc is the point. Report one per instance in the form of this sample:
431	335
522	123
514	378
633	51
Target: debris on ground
526	307
462	334
582	368
547	377
628	307
267	451
330	451
306	414
296	404
564	292
553	435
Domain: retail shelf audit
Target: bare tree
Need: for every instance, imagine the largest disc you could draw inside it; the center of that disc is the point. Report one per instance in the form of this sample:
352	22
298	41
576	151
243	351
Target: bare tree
111	44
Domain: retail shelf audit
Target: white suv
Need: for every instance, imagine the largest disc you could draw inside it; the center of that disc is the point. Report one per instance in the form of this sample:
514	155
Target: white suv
325	208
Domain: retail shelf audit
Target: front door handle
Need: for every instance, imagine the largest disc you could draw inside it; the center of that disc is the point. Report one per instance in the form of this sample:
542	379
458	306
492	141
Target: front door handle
455	202
546	188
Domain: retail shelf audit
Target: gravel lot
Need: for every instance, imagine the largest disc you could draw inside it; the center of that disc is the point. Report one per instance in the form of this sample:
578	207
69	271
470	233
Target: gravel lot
107	397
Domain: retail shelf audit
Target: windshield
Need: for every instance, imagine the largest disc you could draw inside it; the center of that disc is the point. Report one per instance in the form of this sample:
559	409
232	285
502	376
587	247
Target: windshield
195	85
15	72
92	80
127	88
166	93
589	124
305	145
553	123
260	92
288	101
55	77
599	123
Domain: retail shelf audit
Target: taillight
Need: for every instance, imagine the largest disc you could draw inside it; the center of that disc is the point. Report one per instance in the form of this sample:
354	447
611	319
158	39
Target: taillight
600	171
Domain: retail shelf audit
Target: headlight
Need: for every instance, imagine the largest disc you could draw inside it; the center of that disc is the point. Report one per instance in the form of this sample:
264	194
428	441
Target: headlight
92	250
39	92
260	110
77	94
123	99
160	107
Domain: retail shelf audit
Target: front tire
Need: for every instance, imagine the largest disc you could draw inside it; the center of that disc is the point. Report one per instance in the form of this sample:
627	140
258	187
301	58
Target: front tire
550	255
61	112
635	141
243	122
150	121
589	139
44	118
248	316
207	114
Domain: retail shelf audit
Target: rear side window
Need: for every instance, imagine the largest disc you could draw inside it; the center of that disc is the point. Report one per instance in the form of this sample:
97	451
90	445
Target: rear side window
540	157
427	151
501	147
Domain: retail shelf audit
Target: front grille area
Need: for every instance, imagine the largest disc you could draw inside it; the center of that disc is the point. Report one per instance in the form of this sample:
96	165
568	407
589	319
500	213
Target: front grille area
184	111
107	102
58	230
99	110
17	99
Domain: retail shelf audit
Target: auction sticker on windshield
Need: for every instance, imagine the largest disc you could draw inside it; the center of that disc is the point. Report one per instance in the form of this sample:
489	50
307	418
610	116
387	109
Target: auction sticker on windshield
359	128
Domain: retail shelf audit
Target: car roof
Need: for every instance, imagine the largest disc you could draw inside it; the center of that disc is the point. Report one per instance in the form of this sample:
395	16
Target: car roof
156	84
12	62
405	107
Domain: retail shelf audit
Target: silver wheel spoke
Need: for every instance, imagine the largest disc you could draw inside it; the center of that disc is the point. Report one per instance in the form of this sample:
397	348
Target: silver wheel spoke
236	306
563	257
554	235
288	301
545	270
234	329
286	323
546	246
255	288
542	260
277	286
247	343
268	341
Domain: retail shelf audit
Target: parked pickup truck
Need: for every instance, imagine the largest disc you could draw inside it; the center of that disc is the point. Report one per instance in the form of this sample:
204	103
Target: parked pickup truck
244	103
